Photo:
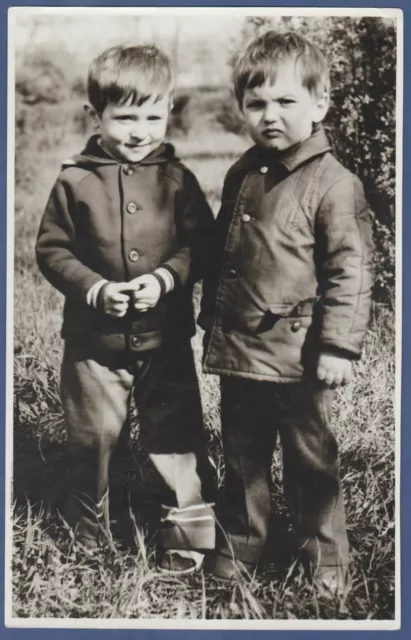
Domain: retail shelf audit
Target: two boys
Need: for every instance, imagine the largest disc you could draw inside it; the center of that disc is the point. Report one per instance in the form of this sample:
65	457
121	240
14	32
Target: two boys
287	283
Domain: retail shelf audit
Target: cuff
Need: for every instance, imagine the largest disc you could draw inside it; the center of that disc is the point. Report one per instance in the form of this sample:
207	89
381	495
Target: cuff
165	278
341	352
92	293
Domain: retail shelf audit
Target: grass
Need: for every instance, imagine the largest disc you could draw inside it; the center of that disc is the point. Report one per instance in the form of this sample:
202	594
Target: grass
51	579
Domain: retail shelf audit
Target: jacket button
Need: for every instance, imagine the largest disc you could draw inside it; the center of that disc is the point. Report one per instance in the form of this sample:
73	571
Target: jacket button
132	207
245	217
133	255
296	326
231	273
135	342
263	169
128	170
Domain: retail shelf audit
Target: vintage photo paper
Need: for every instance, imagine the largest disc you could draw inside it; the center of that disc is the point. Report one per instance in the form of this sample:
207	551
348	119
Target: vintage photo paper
58	411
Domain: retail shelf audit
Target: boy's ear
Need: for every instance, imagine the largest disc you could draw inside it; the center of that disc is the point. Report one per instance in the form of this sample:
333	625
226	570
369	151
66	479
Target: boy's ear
92	114
321	107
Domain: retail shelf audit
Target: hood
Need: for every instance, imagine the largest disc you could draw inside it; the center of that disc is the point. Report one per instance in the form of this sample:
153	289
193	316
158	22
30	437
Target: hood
93	155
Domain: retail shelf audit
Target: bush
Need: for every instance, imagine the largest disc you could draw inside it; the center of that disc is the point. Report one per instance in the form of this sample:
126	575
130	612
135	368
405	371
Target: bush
45	75
203	107
229	116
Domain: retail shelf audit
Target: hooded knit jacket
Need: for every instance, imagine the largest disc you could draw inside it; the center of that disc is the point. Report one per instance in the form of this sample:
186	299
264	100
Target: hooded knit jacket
115	221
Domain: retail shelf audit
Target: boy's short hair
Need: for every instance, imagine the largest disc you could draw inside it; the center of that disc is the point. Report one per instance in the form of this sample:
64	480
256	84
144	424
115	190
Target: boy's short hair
128	72
261	58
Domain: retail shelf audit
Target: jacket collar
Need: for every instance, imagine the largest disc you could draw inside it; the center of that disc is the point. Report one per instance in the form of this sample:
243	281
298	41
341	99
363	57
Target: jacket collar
293	157
93	154
317	144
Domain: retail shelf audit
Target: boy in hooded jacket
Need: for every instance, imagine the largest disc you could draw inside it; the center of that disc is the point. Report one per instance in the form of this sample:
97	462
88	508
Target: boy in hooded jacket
285	310
123	238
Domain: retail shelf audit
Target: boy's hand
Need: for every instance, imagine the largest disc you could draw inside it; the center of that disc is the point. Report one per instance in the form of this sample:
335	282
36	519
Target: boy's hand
114	301
334	370
146	291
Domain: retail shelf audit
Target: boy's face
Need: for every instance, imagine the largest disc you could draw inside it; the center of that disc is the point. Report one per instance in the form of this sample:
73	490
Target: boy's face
130	132
280	114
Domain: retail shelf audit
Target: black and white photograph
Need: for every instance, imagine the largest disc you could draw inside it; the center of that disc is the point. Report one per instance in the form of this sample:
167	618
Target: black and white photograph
204	227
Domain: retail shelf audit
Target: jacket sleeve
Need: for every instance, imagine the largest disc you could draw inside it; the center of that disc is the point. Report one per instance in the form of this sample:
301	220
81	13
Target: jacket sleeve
195	227
344	254
216	246
56	252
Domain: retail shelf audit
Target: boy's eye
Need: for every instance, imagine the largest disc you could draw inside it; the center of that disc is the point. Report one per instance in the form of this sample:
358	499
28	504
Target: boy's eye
153	118
123	118
286	101
255	104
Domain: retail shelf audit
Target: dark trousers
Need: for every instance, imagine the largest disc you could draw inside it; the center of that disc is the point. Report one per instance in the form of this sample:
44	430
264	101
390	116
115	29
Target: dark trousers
96	394
253	414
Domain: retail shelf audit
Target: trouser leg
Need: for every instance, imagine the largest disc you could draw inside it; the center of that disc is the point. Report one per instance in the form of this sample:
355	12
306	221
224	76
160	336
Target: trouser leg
95	401
311	474
171	423
179	470
248	435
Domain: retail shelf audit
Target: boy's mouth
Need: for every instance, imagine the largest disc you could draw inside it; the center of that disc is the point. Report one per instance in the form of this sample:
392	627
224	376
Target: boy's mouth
272	133
130	145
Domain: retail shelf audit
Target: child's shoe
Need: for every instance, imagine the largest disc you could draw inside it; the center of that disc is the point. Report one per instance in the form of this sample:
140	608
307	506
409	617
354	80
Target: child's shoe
332	583
180	562
226	568
185	533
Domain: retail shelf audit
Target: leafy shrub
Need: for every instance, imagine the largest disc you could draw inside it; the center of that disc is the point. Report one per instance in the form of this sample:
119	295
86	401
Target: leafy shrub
182	115
44	75
201	107
229	116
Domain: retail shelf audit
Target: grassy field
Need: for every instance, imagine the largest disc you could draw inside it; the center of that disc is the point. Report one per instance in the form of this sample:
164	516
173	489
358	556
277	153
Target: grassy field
51	580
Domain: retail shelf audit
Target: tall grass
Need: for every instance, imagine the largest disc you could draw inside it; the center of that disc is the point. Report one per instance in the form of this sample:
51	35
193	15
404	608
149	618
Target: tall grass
51	579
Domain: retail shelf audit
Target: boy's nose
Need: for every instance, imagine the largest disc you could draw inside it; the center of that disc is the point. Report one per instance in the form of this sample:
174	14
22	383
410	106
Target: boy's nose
137	134
270	114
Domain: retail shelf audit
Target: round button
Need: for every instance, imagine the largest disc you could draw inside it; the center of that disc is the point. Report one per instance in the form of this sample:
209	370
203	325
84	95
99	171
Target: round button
263	169
245	217
135	341
133	255
296	326
128	170
232	273
132	207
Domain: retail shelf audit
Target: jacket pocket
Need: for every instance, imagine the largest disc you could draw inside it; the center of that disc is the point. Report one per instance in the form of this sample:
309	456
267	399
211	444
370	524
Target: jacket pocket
255	320
290	315
293	309
293	317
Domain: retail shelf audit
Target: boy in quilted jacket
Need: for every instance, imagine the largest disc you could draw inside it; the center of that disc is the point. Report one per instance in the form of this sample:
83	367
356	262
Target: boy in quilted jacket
286	310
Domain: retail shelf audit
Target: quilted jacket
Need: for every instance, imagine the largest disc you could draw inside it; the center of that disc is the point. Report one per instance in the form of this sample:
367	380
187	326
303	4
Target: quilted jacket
292	266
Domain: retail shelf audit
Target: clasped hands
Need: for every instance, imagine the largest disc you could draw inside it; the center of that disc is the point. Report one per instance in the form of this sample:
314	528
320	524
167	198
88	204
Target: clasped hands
142	292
